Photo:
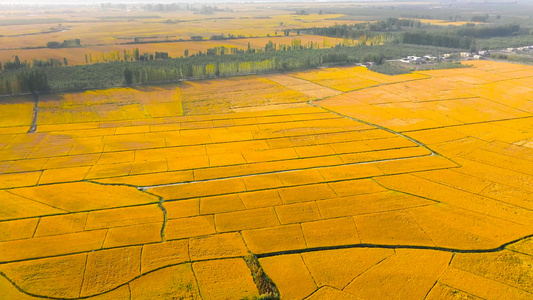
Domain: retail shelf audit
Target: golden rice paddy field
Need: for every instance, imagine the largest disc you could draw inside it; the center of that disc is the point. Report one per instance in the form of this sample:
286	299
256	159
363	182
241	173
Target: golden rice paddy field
76	56
104	31
111	29
336	183
96	26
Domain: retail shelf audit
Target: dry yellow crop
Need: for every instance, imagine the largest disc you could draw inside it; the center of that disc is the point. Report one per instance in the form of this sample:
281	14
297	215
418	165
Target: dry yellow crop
110	105
17	112
227	95
353	78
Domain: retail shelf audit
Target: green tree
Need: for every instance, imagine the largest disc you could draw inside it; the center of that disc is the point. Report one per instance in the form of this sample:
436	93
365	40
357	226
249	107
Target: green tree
53	45
217	69
128	76
17	62
33	81
270	46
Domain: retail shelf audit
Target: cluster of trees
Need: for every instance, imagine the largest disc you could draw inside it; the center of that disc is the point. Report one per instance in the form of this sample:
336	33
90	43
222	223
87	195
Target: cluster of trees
438	39
226	37
210	66
135	55
152	74
345	31
335	58
197	67
392	24
126	55
165	7
296	44
204	9
207	10
23	81
16	64
221	50
481	19
51	62
485	32
462	37
148	56
64	44
523	59
354	31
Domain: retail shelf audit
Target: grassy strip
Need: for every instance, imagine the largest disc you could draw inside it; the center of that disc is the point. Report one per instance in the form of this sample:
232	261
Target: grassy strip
517	58
392	68
265	285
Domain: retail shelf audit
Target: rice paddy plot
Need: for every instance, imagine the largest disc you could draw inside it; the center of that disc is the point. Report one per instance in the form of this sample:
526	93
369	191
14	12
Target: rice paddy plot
239	187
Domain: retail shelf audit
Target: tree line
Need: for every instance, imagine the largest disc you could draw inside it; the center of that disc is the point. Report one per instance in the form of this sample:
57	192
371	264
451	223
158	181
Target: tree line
463	37
16	64
368	29
64	44
485	32
438	39
135	54
408	31
119	73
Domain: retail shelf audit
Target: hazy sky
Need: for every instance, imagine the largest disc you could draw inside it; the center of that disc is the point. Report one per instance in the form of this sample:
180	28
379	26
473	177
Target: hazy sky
94	2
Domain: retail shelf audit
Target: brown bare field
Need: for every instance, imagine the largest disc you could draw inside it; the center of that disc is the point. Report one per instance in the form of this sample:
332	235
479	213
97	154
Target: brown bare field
414	187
